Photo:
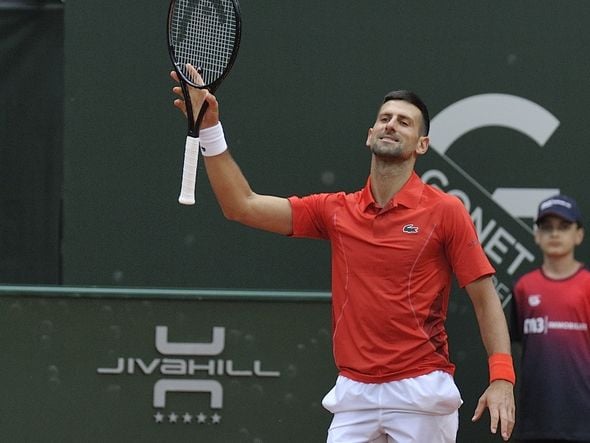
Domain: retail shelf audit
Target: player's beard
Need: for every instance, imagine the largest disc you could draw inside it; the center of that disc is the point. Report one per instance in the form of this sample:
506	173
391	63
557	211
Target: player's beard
389	152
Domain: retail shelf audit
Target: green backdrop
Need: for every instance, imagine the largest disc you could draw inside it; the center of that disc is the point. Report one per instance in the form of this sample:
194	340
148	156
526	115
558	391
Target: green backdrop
506	84
86	365
31	141
296	108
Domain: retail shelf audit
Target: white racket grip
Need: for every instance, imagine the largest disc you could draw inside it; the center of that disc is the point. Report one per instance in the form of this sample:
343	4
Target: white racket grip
189	171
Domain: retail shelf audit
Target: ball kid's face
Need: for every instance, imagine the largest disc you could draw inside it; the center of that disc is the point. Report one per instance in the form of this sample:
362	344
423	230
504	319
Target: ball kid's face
558	237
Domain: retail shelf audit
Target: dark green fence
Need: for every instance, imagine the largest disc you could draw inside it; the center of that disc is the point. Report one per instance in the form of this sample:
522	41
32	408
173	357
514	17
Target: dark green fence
86	364
100	365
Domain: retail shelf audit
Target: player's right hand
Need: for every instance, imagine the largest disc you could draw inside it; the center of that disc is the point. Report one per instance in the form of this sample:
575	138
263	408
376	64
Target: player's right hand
198	97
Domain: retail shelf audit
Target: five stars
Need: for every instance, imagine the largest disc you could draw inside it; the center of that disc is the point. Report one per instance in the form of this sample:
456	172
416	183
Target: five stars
187	418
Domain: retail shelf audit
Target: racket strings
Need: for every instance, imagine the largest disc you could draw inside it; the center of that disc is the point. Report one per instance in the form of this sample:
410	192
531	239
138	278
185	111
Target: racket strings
203	33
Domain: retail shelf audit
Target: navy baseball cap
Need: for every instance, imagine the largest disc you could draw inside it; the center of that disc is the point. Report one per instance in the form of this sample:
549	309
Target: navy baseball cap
561	206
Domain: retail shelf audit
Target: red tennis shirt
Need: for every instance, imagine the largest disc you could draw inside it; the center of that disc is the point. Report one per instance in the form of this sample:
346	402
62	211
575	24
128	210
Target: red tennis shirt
391	275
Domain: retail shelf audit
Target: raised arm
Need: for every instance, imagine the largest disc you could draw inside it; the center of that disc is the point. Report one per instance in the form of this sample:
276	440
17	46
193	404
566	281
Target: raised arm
237	200
499	396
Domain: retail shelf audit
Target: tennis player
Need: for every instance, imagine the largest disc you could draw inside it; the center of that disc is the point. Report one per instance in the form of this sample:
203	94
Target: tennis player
395	245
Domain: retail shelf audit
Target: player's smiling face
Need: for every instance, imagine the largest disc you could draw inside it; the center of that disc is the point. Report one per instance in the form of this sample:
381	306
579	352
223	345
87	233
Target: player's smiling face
397	132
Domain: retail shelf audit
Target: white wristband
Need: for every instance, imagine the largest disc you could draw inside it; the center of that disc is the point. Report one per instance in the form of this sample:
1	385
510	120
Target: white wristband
212	140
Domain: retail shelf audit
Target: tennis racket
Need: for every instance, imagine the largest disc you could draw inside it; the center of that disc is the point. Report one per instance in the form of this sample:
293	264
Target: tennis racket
203	36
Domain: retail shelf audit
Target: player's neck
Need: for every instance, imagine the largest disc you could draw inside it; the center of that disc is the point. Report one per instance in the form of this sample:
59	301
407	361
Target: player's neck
560	267
387	179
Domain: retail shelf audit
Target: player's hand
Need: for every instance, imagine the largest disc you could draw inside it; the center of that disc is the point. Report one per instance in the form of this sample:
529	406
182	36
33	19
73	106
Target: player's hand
499	399
198	97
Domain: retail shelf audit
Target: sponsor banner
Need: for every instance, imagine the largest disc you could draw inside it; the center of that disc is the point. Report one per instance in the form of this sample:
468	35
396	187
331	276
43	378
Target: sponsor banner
153	370
503	217
508	242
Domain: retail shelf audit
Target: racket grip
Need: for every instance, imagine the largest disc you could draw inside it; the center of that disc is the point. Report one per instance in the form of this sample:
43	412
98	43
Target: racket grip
189	171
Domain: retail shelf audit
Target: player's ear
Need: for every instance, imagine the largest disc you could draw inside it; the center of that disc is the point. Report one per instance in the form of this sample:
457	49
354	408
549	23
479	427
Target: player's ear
369	133
423	143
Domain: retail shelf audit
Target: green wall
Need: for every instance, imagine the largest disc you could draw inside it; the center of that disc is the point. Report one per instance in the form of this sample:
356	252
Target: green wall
305	88
86	365
31	141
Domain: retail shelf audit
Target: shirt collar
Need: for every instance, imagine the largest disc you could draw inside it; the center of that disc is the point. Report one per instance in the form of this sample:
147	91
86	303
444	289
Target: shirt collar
408	196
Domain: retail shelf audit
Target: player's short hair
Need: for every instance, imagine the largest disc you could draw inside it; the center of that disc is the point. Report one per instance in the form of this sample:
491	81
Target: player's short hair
411	97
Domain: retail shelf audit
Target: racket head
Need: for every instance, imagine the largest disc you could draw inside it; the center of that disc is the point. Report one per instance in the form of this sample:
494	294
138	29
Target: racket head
205	34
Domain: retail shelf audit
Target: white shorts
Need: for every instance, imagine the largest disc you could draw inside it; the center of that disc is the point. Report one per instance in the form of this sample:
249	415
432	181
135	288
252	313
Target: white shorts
423	409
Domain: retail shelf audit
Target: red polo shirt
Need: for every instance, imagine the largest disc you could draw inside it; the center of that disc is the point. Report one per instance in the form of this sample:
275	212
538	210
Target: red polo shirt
391	275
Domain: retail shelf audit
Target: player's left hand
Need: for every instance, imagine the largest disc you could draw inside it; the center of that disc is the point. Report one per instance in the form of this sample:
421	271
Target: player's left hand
499	399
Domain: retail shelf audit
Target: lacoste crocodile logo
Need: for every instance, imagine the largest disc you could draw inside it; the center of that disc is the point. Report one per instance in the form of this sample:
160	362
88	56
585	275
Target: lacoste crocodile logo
410	229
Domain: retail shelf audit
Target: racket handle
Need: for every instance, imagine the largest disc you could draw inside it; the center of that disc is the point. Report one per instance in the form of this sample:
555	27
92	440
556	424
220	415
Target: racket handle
189	171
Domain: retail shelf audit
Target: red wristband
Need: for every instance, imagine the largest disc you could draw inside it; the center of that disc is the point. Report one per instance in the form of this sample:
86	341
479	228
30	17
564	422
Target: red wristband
501	368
